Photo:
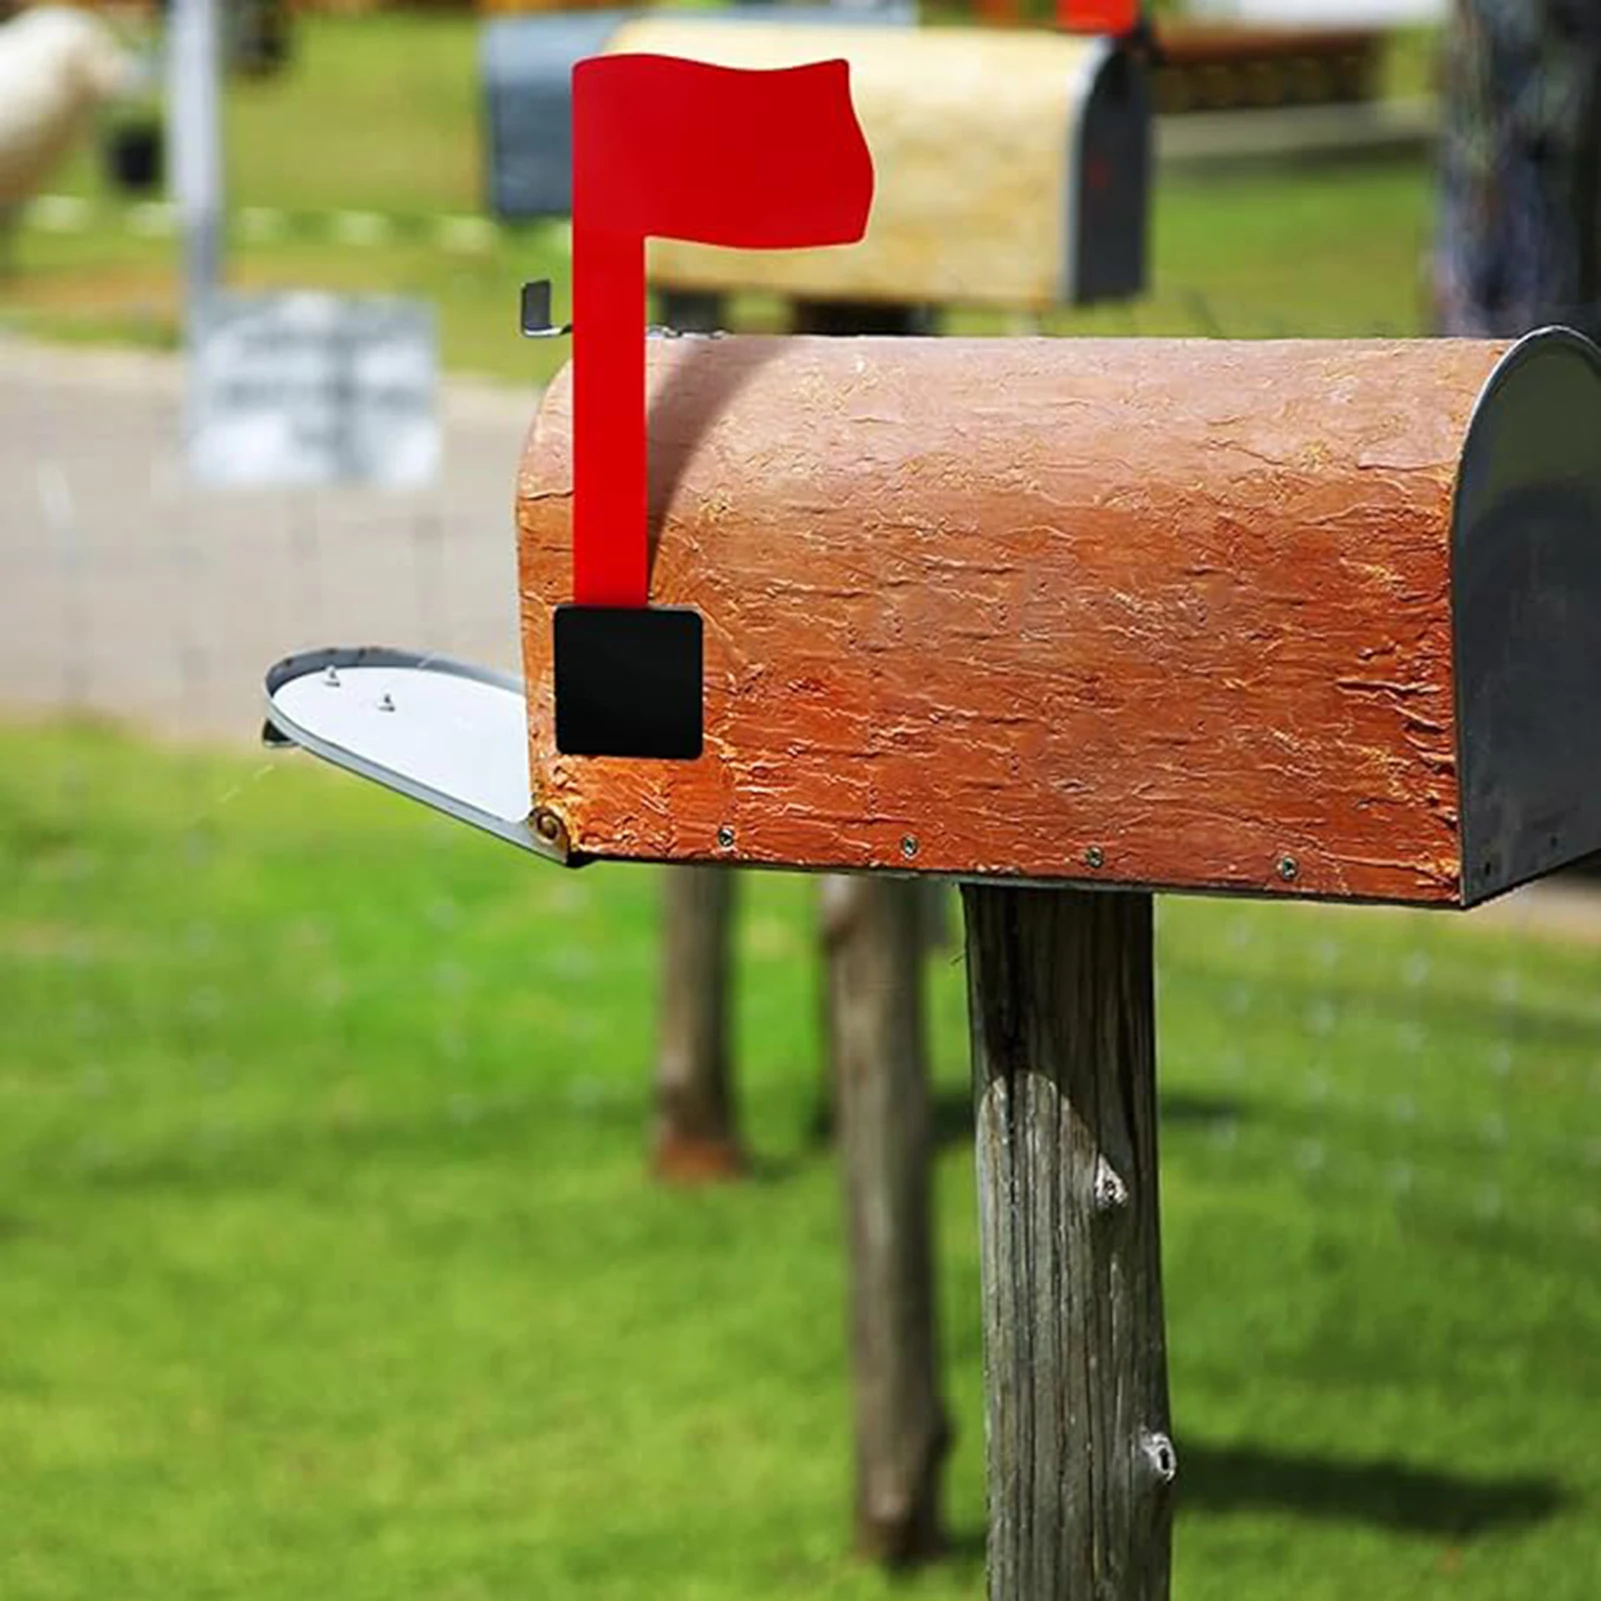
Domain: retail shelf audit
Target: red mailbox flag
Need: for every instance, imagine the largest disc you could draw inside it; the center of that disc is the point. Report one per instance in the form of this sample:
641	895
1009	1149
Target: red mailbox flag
1098	16
678	149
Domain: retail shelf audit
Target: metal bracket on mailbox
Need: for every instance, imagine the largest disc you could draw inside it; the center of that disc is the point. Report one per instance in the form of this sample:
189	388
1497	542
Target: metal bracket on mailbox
535	312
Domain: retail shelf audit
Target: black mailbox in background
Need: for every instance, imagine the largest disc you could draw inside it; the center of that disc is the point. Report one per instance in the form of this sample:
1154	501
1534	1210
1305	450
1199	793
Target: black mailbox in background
1014	165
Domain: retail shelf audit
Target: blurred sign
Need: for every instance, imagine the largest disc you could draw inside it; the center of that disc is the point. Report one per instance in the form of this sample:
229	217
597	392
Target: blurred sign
312	389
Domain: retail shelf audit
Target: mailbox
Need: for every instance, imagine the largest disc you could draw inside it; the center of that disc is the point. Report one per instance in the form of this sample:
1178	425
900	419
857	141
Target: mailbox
1014	166
1304	617
1280	618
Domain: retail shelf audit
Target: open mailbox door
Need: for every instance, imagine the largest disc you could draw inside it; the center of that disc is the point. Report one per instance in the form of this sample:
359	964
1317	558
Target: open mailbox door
449	735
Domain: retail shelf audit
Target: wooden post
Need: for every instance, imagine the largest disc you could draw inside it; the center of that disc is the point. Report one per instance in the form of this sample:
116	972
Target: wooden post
1080	1462
695	1134
833	909
875	935
689	311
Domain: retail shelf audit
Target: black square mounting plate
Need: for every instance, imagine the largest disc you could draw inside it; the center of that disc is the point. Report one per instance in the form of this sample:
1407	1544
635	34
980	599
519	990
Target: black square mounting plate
628	681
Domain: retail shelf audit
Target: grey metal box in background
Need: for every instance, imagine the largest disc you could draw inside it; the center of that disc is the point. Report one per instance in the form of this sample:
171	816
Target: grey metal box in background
527	65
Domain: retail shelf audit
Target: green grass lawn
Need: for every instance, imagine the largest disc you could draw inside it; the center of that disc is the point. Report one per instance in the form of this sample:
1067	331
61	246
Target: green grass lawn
383	115
328	1264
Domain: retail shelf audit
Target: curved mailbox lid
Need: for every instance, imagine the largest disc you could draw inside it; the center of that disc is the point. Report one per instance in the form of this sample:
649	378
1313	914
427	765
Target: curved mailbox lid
452	736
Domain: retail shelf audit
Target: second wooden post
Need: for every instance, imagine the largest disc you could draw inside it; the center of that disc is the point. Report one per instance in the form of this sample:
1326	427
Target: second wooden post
876	937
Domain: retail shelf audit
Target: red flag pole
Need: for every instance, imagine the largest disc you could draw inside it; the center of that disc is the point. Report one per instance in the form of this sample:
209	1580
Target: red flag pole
688	151
682	150
610	555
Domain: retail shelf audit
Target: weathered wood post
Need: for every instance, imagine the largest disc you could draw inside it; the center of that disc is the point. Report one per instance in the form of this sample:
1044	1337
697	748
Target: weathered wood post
1080	1459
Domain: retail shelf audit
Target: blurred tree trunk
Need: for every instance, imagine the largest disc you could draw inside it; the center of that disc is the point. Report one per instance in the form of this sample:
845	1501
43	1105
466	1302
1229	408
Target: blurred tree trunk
691	311
848	318
695	1135
1518	237
874	935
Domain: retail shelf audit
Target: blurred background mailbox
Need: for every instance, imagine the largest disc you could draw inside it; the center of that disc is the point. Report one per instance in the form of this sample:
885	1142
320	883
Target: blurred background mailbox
1014	166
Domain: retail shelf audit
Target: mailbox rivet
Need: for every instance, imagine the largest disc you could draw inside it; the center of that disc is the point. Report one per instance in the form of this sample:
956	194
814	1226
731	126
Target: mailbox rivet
1289	869
908	846
1095	857
548	826
725	837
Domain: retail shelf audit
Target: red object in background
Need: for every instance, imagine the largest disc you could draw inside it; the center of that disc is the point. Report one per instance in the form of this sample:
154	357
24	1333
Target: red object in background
755	160
1098	16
